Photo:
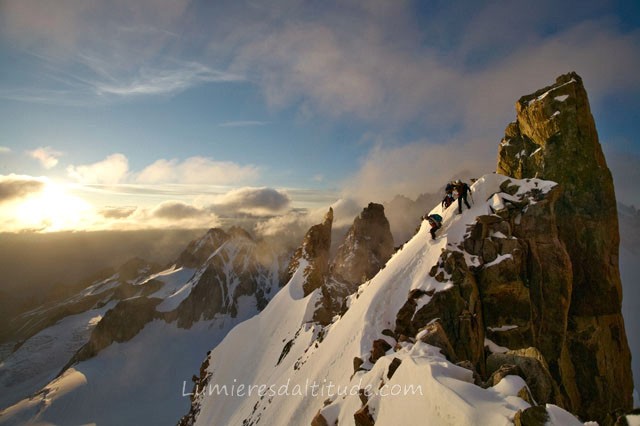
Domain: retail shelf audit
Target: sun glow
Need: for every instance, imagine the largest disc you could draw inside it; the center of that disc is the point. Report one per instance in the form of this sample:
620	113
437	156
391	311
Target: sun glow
53	209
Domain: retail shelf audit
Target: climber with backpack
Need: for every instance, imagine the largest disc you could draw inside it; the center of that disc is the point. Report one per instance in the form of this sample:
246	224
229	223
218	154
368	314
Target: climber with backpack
463	190
435	220
447	200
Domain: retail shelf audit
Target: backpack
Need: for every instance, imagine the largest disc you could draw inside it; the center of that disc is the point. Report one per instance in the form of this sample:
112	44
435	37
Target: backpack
435	220
447	201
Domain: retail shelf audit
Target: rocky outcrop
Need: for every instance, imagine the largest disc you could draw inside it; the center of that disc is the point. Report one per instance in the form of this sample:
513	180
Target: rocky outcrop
198	251
459	329
366	249
233	268
555	138
119	324
315	252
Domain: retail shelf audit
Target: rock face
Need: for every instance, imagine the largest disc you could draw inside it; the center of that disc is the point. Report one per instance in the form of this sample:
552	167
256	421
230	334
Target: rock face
315	252
366	248
555	138
232	267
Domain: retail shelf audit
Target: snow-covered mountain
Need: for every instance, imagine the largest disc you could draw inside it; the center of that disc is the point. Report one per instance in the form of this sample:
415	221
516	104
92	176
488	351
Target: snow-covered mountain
282	367
513	312
121	350
511	315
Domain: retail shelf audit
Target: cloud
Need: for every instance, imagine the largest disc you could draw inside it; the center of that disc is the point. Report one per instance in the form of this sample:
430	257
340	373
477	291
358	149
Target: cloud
251	201
47	156
177	210
161	80
117	212
112	170
14	187
424	168
94	52
197	170
4	150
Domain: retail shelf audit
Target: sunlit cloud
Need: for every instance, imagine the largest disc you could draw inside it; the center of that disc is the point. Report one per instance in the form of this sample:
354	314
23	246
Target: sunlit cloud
4	150
197	170
112	170
47	156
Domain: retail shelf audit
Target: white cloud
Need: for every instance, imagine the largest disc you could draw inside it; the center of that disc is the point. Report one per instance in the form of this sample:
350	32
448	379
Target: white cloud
112	170
47	156
4	150
414	169
197	170
160	81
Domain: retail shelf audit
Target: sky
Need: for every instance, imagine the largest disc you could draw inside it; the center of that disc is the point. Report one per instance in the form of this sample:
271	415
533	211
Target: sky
185	113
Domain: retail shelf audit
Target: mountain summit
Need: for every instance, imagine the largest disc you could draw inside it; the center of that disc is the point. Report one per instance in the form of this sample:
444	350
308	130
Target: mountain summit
555	138
512	314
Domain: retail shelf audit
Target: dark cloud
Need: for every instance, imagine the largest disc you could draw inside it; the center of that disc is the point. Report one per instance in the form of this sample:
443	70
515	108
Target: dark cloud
252	201
176	210
13	186
117	212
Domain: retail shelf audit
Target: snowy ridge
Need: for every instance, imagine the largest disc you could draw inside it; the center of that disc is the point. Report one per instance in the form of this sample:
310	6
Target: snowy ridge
280	368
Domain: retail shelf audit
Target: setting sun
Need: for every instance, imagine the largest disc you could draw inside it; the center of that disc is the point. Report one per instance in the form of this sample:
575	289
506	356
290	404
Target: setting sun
51	209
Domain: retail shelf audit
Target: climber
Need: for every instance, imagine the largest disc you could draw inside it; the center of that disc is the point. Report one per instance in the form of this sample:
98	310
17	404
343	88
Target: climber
447	200
463	190
435	220
449	188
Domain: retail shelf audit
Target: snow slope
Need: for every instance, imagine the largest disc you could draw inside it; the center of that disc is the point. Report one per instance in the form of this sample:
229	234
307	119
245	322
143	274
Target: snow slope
280	368
142	380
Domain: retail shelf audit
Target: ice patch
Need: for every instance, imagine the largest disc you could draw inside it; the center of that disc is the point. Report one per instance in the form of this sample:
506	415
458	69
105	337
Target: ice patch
561	98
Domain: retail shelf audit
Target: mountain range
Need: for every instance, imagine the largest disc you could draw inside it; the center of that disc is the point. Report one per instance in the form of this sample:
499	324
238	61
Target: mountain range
512	315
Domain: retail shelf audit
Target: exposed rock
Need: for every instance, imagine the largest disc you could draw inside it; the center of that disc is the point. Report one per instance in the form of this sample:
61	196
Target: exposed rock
119	324
319	420
235	270
555	138
395	363
315	251
532	416
357	363
362	417
504	371
378	350
534	370
457	309
434	335
477	379
198	251
366	249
